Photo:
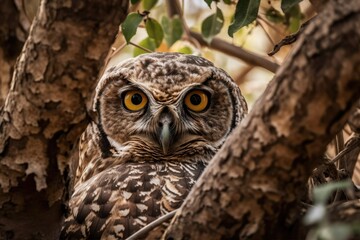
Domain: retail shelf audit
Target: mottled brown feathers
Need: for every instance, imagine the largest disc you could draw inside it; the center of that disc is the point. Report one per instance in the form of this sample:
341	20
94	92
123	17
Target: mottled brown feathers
135	166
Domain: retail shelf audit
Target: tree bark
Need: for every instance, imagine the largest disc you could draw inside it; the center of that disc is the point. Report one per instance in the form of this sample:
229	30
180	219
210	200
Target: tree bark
258	176
13	33
45	111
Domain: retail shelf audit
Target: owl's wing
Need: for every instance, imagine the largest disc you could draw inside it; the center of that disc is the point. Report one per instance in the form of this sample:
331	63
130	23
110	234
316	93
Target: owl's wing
90	151
121	200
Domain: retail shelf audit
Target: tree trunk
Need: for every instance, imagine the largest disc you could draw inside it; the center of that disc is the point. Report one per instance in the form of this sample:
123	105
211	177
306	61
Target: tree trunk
13	33
45	111
256	179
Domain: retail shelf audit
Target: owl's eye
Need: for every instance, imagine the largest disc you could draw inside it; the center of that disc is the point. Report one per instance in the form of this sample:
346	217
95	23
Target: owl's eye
135	100
196	100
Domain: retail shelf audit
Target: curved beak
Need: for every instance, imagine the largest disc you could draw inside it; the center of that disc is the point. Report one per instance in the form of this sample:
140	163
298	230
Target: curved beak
165	131
165	138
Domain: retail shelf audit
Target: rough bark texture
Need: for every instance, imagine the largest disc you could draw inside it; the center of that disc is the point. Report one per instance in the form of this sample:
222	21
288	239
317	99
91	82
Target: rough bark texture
257	177
45	110
13	33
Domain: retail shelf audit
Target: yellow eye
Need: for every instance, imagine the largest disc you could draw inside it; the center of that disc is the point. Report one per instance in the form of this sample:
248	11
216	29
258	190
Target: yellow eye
135	100
196	100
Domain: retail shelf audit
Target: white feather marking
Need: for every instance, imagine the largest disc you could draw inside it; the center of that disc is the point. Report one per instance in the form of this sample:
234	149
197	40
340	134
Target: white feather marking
95	207
143	218
76	211
82	228
155	181
141	207
119	228
127	195
124	213
118	147
139	222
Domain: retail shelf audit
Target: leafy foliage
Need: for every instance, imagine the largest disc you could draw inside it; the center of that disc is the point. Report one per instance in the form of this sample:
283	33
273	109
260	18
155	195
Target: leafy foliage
149	4
318	215
134	1
154	30
212	25
172	29
245	13
185	50
323	192
208	2
147	43
293	18
274	15
130	25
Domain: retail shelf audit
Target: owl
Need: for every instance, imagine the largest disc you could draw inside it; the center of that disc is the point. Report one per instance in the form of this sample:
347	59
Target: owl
160	118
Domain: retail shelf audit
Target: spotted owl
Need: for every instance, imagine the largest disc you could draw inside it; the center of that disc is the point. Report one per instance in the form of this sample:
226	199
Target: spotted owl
160	118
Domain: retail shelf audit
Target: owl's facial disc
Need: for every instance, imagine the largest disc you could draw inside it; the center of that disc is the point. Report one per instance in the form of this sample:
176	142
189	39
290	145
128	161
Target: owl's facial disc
167	106
170	130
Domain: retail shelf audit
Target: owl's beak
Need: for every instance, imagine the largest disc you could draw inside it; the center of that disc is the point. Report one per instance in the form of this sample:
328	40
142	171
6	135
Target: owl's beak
165	138
165	131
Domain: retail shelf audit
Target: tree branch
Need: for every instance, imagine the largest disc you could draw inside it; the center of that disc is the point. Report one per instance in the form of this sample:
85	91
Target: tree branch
238	52
218	44
259	174
45	110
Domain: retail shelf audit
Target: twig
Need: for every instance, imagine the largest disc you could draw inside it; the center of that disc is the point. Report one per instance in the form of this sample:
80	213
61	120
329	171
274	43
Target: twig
289	39
339	140
142	48
272	26
238	52
218	44
351	145
117	50
152	225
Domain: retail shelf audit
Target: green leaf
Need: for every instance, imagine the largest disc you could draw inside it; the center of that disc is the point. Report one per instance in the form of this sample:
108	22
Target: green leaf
245	13
147	43
228	2
286	5
130	25
338	231
134	1
294	24
149	4
208	2
172	29
293	16
154	30
274	15
323	192
185	50
212	25
315	214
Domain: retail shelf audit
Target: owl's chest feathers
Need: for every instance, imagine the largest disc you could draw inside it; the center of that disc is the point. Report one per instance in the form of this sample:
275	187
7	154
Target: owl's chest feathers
143	150
131	194
135	154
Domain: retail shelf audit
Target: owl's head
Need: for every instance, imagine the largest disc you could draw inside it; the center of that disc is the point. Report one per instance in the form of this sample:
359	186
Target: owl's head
166	106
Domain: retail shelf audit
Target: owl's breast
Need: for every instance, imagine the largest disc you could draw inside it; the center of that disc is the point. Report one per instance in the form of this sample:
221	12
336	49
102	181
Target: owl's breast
121	200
